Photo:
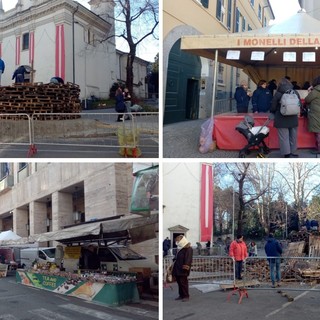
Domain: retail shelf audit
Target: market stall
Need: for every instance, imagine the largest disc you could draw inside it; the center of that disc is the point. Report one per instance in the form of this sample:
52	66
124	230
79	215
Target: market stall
289	48
79	272
228	138
112	290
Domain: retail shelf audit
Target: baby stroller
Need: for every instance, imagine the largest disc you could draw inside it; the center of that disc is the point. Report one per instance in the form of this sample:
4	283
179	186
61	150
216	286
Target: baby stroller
254	136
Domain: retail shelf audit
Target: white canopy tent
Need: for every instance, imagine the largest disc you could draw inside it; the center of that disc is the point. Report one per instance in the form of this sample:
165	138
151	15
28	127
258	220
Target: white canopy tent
132	225
287	48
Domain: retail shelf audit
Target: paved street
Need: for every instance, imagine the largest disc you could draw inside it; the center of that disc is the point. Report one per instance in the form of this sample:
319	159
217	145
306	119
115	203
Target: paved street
260	304
181	140
19	302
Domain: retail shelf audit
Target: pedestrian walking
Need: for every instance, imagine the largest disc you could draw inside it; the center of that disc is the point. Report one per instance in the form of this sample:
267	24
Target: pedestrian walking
238	252
182	266
273	251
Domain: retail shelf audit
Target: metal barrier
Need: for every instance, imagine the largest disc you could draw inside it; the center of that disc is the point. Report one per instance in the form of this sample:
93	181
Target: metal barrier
214	268
16	129
99	130
225	105
297	273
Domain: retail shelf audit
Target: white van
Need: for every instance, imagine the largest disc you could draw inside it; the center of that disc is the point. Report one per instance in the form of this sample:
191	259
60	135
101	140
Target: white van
41	255
122	258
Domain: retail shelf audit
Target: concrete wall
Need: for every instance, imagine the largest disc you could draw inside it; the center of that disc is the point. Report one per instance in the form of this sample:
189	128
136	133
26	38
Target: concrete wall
181	198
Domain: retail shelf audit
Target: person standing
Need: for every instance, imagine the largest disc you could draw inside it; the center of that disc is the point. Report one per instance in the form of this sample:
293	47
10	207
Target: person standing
273	251
238	251
313	103
287	126
166	244
2	67
182	266
242	96
253	250
261	98
120	106
272	86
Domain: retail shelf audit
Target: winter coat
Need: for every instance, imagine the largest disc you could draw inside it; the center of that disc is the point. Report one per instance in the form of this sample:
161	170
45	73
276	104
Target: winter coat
313	102
120	106
261	100
273	248
2	65
238	250
242	98
183	261
281	121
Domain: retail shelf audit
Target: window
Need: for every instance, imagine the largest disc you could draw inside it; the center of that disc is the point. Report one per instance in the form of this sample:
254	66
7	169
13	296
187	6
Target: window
229	14
252	3
220	10
243	24
205	3
249	27
237	20
25	41
259	12
220	73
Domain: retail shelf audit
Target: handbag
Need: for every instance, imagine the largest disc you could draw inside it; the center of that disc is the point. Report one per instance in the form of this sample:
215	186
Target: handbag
169	277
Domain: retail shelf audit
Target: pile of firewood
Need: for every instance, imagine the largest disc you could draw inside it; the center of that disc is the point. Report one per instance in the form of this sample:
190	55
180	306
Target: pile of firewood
39	98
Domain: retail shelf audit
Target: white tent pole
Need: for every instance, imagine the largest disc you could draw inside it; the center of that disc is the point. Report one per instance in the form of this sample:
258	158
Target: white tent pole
214	89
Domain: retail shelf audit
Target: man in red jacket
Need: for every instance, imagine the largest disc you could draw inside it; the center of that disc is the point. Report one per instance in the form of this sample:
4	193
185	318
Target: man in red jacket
238	252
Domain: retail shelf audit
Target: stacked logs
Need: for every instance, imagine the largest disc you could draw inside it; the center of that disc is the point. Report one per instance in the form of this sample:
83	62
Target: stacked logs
38	99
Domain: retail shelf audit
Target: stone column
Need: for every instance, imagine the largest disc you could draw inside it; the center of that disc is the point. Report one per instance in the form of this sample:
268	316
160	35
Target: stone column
38	217
20	221
62	210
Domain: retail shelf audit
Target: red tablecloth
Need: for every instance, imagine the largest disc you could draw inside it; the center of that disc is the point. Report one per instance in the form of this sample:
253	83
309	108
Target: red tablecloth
228	138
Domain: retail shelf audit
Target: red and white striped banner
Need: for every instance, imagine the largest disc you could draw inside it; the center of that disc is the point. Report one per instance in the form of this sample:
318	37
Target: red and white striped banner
206	206
17	51
60	52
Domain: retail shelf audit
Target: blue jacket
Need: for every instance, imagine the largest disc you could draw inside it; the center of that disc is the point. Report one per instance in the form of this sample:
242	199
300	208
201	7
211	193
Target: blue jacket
241	97
261	100
273	248
2	65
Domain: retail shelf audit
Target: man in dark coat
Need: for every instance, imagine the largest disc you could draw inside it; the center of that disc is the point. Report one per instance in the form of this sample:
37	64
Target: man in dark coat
18	75
182	267
242	97
287	126
273	251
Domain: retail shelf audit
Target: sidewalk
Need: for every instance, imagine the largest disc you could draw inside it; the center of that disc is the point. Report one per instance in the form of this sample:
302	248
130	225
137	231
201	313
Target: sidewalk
181	140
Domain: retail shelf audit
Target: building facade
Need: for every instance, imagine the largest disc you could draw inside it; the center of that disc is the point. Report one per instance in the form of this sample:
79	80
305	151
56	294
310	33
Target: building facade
60	38
312	7
188	79
40	197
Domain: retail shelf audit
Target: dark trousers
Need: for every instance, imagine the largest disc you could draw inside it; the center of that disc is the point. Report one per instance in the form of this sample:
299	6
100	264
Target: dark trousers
183	285
238	269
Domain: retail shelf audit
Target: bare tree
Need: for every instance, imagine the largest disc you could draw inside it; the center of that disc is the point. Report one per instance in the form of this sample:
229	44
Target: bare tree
135	21
302	180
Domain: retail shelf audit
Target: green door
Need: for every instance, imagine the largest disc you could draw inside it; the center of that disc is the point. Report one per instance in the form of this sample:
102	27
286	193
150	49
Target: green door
182	91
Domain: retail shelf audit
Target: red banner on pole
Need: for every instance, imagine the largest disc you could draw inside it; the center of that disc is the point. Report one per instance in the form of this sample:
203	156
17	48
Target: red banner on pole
206	206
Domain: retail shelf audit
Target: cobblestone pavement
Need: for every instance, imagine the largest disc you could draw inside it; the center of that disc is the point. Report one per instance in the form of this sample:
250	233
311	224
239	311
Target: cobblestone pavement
181	140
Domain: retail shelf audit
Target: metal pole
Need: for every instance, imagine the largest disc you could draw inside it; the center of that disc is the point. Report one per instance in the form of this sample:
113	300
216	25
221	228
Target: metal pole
215	77
233	205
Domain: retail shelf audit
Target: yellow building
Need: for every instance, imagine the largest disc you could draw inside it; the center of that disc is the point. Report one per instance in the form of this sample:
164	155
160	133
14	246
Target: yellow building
188	79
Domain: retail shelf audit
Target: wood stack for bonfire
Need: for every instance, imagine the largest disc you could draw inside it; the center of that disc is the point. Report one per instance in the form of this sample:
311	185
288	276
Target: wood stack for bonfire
38	98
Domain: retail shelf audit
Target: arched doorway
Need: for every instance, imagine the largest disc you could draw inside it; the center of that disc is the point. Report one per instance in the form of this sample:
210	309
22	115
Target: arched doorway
182	90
